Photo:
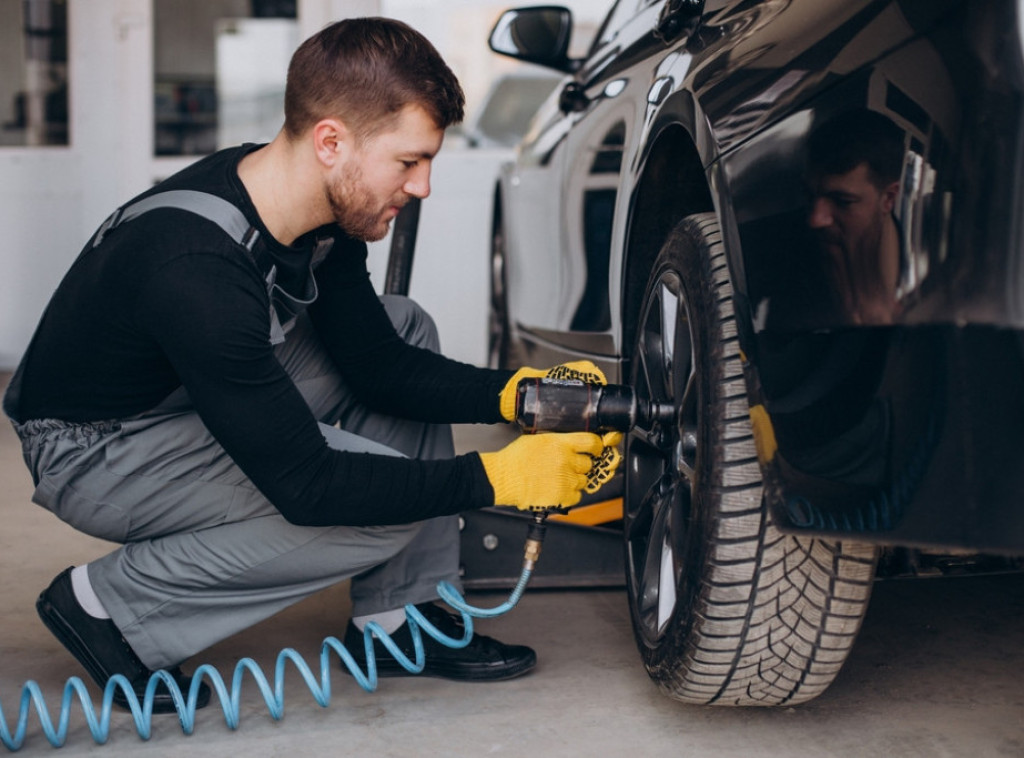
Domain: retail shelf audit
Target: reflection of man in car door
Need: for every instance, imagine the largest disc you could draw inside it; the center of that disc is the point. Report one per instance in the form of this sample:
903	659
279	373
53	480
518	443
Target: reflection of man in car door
822	386
853	169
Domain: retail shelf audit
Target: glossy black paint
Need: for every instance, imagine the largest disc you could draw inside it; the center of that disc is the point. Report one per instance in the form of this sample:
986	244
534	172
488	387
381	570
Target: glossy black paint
882	318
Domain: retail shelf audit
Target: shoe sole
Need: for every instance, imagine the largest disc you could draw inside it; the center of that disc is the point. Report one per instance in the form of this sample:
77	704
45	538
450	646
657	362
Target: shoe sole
65	633
389	668
387	672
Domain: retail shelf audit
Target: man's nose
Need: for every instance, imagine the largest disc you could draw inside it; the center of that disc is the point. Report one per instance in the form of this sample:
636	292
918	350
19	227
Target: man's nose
418	184
820	216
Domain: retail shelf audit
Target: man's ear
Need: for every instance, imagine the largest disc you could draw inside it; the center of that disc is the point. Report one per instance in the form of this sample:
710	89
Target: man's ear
332	141
889	195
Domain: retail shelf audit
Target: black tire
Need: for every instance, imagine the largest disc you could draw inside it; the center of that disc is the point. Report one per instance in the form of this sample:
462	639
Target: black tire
498	351
726	609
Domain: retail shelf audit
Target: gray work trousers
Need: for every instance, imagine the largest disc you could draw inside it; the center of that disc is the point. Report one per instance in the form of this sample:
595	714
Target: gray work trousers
204	554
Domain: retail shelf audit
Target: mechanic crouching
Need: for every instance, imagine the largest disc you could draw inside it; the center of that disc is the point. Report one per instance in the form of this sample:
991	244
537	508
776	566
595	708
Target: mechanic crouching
216	386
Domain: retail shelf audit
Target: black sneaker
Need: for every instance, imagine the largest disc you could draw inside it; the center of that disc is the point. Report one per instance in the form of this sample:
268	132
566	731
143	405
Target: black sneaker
483	659
100	648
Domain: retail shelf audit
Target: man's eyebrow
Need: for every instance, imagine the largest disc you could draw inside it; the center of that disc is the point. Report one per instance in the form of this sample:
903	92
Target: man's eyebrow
840	194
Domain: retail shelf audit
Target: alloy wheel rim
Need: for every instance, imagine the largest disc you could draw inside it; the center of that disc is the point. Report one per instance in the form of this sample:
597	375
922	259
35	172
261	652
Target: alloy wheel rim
661	459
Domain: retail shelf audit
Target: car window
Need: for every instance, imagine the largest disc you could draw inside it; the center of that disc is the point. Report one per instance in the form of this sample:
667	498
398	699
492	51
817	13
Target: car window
621	12
509	108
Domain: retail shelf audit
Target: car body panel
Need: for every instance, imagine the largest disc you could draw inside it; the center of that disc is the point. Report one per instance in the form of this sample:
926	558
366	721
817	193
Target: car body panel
892	394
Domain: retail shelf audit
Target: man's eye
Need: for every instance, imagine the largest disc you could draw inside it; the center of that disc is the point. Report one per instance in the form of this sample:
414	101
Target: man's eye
410	164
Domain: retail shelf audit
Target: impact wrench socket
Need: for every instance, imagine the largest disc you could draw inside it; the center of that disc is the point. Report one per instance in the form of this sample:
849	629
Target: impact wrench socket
570	405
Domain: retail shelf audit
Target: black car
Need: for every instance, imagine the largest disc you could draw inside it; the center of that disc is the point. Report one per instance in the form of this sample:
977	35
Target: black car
801	223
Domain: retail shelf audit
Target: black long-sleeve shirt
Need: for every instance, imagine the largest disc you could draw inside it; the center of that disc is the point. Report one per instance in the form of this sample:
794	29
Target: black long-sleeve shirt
169	300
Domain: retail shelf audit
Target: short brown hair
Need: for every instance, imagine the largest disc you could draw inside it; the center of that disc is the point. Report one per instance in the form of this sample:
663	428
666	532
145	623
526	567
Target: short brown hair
364	71
857	136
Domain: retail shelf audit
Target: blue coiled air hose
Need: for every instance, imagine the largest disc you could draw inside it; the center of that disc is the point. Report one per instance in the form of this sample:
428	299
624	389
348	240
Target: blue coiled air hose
230	701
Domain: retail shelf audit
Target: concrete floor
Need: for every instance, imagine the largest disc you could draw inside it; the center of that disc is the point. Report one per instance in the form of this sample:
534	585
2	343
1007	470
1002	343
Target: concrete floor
937	671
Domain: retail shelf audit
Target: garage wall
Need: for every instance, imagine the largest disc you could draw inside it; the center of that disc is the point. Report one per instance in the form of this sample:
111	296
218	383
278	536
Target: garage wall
51	199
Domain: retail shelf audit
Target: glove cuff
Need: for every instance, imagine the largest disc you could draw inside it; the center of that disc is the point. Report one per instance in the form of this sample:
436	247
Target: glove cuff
507	398
500	477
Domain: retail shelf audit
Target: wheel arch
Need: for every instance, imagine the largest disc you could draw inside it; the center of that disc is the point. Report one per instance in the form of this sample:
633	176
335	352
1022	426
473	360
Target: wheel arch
671	186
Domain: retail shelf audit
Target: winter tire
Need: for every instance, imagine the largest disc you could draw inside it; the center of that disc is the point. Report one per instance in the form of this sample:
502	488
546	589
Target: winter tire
725	608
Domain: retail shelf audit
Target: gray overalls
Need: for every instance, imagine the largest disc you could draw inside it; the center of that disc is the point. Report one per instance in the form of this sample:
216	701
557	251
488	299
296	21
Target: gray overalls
204	554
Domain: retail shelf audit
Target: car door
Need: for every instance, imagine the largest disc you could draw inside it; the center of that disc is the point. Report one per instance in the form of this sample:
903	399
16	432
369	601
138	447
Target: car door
565	188
610	91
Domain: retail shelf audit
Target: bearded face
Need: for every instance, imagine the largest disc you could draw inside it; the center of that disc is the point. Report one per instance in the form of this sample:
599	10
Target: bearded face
852	220
382	172
360	211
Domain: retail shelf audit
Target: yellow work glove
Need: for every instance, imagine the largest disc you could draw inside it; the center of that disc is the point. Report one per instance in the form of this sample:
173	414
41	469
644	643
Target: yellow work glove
584	371
606	463
540	471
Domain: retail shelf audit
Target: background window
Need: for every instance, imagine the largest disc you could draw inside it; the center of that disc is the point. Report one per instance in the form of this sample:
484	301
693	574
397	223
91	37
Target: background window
219	72
33	72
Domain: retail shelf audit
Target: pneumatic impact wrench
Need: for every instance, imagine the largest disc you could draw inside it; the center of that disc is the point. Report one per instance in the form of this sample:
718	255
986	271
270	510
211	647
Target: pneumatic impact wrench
570	405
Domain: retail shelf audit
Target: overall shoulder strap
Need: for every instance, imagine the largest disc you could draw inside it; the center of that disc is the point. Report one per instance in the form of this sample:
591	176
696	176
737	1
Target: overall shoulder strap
216	209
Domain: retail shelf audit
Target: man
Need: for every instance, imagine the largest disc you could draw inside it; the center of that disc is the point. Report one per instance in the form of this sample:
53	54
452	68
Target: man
854	166
185	388
821	379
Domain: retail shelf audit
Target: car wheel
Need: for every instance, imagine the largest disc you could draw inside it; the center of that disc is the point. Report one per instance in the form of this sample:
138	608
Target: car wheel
725	609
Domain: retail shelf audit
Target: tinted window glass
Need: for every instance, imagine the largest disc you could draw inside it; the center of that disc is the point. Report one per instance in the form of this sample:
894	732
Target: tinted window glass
621	12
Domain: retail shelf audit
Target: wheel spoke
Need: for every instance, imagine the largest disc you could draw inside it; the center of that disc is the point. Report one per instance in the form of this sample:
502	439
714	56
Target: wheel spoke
685	390
648	476
642	385
658	346
657	543
686	446
669	315
649	595
647	465
666	585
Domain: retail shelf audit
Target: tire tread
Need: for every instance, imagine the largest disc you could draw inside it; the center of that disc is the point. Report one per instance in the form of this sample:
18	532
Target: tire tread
777	614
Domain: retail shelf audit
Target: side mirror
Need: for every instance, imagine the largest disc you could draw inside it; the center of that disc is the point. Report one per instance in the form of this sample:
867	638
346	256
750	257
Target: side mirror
537	35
